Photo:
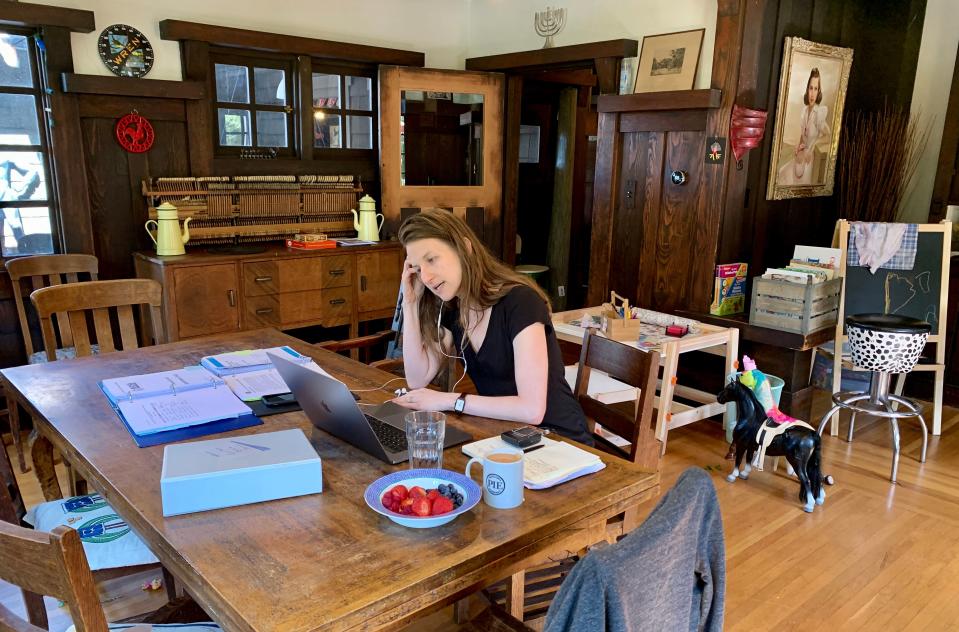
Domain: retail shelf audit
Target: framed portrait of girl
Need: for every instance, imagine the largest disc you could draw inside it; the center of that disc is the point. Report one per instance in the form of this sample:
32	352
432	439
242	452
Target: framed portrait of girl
812	95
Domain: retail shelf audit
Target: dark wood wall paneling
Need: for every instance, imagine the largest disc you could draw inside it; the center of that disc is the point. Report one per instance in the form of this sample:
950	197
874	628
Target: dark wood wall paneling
885	36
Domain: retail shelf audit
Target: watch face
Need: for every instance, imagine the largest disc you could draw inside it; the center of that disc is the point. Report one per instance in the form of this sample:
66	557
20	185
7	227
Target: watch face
125	51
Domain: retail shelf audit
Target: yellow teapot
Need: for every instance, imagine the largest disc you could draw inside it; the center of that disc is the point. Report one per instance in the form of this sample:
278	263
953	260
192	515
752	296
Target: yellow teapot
365	224
169	239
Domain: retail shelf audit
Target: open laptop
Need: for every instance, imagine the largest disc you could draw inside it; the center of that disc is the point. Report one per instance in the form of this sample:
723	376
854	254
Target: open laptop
380	430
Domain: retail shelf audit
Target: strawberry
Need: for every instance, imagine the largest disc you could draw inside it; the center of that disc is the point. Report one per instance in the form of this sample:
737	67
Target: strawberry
416	490
421	506
442	505
399	492
433	494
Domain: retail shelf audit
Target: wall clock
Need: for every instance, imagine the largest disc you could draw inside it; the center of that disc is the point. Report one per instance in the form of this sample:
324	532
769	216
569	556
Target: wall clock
125	51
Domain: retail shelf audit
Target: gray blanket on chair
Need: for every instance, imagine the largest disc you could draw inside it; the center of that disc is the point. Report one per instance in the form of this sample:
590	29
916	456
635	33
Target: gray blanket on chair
668	574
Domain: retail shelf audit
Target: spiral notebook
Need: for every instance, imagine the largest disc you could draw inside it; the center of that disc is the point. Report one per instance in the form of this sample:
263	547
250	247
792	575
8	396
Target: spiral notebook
556	462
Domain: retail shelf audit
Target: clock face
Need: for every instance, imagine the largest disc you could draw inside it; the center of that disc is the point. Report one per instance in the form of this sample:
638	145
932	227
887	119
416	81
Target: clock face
125	51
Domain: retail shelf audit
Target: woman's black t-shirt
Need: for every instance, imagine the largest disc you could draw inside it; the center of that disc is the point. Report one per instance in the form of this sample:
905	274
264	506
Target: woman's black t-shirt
493	371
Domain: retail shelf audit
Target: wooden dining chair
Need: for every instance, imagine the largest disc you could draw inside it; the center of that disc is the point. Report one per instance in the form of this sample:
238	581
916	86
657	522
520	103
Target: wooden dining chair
31	273
73	303
632	366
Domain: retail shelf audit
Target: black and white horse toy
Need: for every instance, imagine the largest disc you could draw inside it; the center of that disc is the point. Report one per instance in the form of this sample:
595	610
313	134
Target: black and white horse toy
798	442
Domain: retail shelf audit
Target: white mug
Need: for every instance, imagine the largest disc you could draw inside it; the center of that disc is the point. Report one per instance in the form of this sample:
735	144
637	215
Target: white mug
502	478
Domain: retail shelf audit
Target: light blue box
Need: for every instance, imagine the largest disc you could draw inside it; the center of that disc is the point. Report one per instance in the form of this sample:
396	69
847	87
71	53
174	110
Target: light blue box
231	471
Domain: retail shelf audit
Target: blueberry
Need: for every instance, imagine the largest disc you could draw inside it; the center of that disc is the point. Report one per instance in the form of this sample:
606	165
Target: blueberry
442	488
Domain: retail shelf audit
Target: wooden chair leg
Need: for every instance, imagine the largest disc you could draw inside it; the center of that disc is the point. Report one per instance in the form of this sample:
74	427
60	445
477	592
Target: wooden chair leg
41	450
515	594
461	610
170	583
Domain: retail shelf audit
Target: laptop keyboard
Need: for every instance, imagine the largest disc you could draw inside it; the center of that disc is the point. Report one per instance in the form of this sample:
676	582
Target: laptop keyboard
392	438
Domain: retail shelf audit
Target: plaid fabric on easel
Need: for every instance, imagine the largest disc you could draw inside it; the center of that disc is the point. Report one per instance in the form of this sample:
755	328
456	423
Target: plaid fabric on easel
904	259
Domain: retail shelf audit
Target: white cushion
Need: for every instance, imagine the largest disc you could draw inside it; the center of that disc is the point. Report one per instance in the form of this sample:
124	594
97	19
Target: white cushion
107	540
66	353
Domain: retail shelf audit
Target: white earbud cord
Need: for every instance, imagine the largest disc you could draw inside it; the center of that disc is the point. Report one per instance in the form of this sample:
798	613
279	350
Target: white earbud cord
461	356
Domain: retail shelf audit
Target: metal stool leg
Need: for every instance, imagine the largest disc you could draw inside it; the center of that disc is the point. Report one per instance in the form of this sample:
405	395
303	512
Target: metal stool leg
852	425
922	422
894	424
826	417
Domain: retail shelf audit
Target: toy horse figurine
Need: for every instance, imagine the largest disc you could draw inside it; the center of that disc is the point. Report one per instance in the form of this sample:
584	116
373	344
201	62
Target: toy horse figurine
800	445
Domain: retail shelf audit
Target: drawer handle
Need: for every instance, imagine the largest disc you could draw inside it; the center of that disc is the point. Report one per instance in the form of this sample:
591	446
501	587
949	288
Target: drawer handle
362	283
231	296
337	301
265	310
337	272
263	279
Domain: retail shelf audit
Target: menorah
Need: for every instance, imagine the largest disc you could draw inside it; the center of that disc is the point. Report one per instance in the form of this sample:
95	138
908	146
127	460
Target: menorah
549	23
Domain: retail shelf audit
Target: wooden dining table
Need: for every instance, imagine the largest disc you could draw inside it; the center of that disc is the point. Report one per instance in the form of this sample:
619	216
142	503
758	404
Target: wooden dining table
318	562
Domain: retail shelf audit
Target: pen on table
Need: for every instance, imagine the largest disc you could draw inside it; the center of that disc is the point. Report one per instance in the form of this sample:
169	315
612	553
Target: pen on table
535	447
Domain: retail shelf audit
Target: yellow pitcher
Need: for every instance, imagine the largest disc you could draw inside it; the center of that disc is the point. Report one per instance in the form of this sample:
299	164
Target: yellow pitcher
169	239
365	224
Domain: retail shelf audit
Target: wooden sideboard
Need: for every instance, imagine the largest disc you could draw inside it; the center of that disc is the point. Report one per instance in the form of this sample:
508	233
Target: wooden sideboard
206	293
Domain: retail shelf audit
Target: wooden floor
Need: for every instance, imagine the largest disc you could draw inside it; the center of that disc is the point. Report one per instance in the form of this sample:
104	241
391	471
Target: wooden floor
876	556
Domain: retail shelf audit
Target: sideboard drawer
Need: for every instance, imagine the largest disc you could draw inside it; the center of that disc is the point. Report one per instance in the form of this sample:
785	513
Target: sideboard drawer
262	278
327	307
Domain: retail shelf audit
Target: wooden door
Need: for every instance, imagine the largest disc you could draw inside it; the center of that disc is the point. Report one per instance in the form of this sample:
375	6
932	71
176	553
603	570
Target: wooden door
206	299
480	205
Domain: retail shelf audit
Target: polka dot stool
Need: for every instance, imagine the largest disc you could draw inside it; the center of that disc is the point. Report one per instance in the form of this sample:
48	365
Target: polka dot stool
883	344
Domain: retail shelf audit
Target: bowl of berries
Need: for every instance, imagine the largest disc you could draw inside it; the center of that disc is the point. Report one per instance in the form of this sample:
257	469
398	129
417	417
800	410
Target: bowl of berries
422	498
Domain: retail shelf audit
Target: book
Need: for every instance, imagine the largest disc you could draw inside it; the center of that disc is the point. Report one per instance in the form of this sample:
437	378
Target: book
146	407
310	245
729	289
354	241
247	360
555	463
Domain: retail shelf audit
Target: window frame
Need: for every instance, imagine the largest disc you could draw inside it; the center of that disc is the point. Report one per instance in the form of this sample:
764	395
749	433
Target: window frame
251	61
38	90
344	70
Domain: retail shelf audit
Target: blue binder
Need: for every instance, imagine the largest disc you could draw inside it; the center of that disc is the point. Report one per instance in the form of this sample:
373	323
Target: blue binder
191	432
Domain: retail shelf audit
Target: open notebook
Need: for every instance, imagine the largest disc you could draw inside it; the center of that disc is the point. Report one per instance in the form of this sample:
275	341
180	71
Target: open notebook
551	465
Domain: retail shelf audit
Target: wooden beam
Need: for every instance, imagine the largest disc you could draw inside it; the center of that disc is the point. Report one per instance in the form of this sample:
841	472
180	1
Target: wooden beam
671	100
577	77
130	87
276	43
29	15
555	56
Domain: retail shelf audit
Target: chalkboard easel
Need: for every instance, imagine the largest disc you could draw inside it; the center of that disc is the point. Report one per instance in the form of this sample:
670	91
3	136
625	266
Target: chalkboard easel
919	293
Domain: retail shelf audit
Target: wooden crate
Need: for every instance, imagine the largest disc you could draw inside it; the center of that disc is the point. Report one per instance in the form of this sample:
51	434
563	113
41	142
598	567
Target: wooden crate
795	307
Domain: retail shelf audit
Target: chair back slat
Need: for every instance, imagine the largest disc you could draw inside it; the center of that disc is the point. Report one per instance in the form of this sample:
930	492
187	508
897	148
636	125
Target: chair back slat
51	564
128	330
35	268
81	338
63	325
101	324
636	368
79	298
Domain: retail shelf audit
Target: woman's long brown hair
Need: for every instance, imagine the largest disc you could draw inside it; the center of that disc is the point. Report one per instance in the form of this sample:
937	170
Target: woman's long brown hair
485	279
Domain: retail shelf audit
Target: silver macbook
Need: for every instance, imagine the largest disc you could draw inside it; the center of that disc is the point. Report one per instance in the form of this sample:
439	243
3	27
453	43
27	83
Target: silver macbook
378	430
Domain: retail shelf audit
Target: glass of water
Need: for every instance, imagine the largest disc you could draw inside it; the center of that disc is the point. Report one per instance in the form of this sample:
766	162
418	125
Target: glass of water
425	431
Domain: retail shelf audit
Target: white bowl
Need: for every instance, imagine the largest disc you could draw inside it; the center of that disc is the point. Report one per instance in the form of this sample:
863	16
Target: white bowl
427	479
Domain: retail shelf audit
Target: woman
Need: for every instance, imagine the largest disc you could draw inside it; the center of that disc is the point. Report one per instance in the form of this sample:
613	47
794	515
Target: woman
493	319
813	124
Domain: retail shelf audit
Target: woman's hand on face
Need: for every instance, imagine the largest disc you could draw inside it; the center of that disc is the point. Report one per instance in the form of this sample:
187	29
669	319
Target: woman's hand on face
412	285
425	399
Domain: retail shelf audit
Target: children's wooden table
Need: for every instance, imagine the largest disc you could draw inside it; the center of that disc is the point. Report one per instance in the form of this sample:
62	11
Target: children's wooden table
722	341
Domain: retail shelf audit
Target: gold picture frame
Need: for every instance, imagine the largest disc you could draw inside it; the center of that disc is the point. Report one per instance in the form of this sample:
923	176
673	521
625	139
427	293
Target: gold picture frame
669	61
812	96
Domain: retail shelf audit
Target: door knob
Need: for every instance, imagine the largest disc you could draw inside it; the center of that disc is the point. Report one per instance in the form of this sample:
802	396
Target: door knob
678	177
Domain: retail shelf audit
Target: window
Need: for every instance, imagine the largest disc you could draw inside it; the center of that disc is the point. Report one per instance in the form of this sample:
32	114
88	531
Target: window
26	204
342	110
254	105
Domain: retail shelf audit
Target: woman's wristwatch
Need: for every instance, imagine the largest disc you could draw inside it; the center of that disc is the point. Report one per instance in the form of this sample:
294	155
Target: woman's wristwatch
460	404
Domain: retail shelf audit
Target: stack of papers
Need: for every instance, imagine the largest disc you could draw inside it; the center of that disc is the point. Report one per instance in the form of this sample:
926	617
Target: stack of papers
247	361
168	400
551	465
808	264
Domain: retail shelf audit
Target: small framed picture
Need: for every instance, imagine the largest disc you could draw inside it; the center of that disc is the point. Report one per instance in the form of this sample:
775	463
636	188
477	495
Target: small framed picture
812	96
669	61
446	96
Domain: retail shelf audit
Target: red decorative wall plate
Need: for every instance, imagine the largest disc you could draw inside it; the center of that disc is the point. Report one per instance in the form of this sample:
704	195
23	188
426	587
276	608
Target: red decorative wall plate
134	133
